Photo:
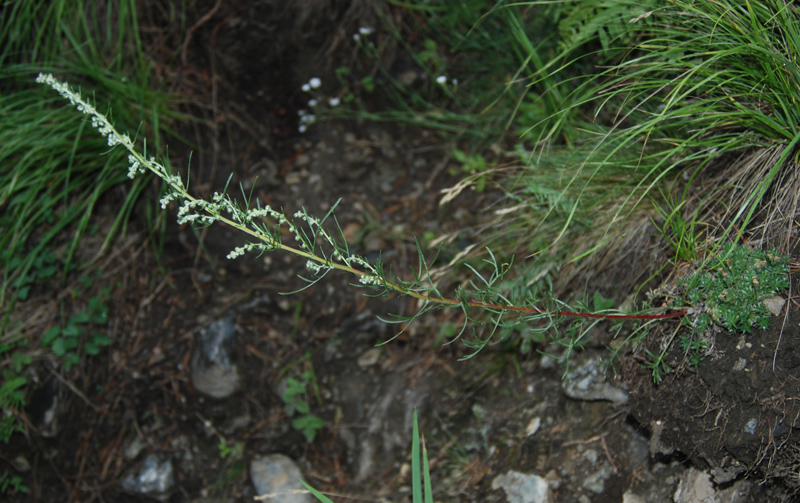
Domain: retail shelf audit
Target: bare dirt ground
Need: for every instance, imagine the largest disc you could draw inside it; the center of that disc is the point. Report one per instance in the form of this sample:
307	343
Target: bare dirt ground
723	432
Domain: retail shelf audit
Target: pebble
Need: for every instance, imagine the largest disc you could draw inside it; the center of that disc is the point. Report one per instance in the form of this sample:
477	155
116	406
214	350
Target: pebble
279	477
369	358
695	487
523	488
589	383
213	372
155	478
533	426
774	304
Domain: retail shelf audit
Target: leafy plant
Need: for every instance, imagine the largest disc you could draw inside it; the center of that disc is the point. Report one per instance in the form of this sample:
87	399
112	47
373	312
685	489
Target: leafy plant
473	164
228	451
13	482
694	346
728	291
658	366
12	397
325	250
65	341
296	403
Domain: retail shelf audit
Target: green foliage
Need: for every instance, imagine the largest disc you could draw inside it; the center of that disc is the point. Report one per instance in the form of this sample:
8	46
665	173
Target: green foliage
657	366
12	389
728	291
473	164
226	451
681	233
43	267
51	184
12	397
295	400
14	483
66	341
694	346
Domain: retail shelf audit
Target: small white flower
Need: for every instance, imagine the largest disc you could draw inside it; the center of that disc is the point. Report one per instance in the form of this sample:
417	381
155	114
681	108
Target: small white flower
315	83
305	87
301	112
454	81
356	37
312	103
302	128
334	102
441	79
365	31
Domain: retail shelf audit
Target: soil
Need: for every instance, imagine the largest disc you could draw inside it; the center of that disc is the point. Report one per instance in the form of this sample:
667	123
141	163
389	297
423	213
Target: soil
729	423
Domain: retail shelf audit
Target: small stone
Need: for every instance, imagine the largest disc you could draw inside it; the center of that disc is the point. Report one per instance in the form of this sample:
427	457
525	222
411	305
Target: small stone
21	464
740	364
750	427
589	383
213	372
302	160
695	487
278	478
155	478
134	448
533	426
523	488
774	304
630	497
369	358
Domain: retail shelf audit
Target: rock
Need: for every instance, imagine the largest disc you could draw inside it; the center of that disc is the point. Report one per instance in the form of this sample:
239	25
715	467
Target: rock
630	497
589	382
596	481
279	477
695	487
533	426
213	372
369	358
523	488
155	478
774	304
133	449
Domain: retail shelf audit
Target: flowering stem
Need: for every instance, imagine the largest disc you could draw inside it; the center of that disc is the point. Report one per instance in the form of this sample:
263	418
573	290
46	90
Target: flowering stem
251	222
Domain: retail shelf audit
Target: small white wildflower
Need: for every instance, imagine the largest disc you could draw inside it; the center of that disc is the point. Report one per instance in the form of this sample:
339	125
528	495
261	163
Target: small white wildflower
441	79
365	31
237	252
312	103
305	87
301	112
369	280
302	128
334	102
454	81
356	37
313	266
314	83
164	201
